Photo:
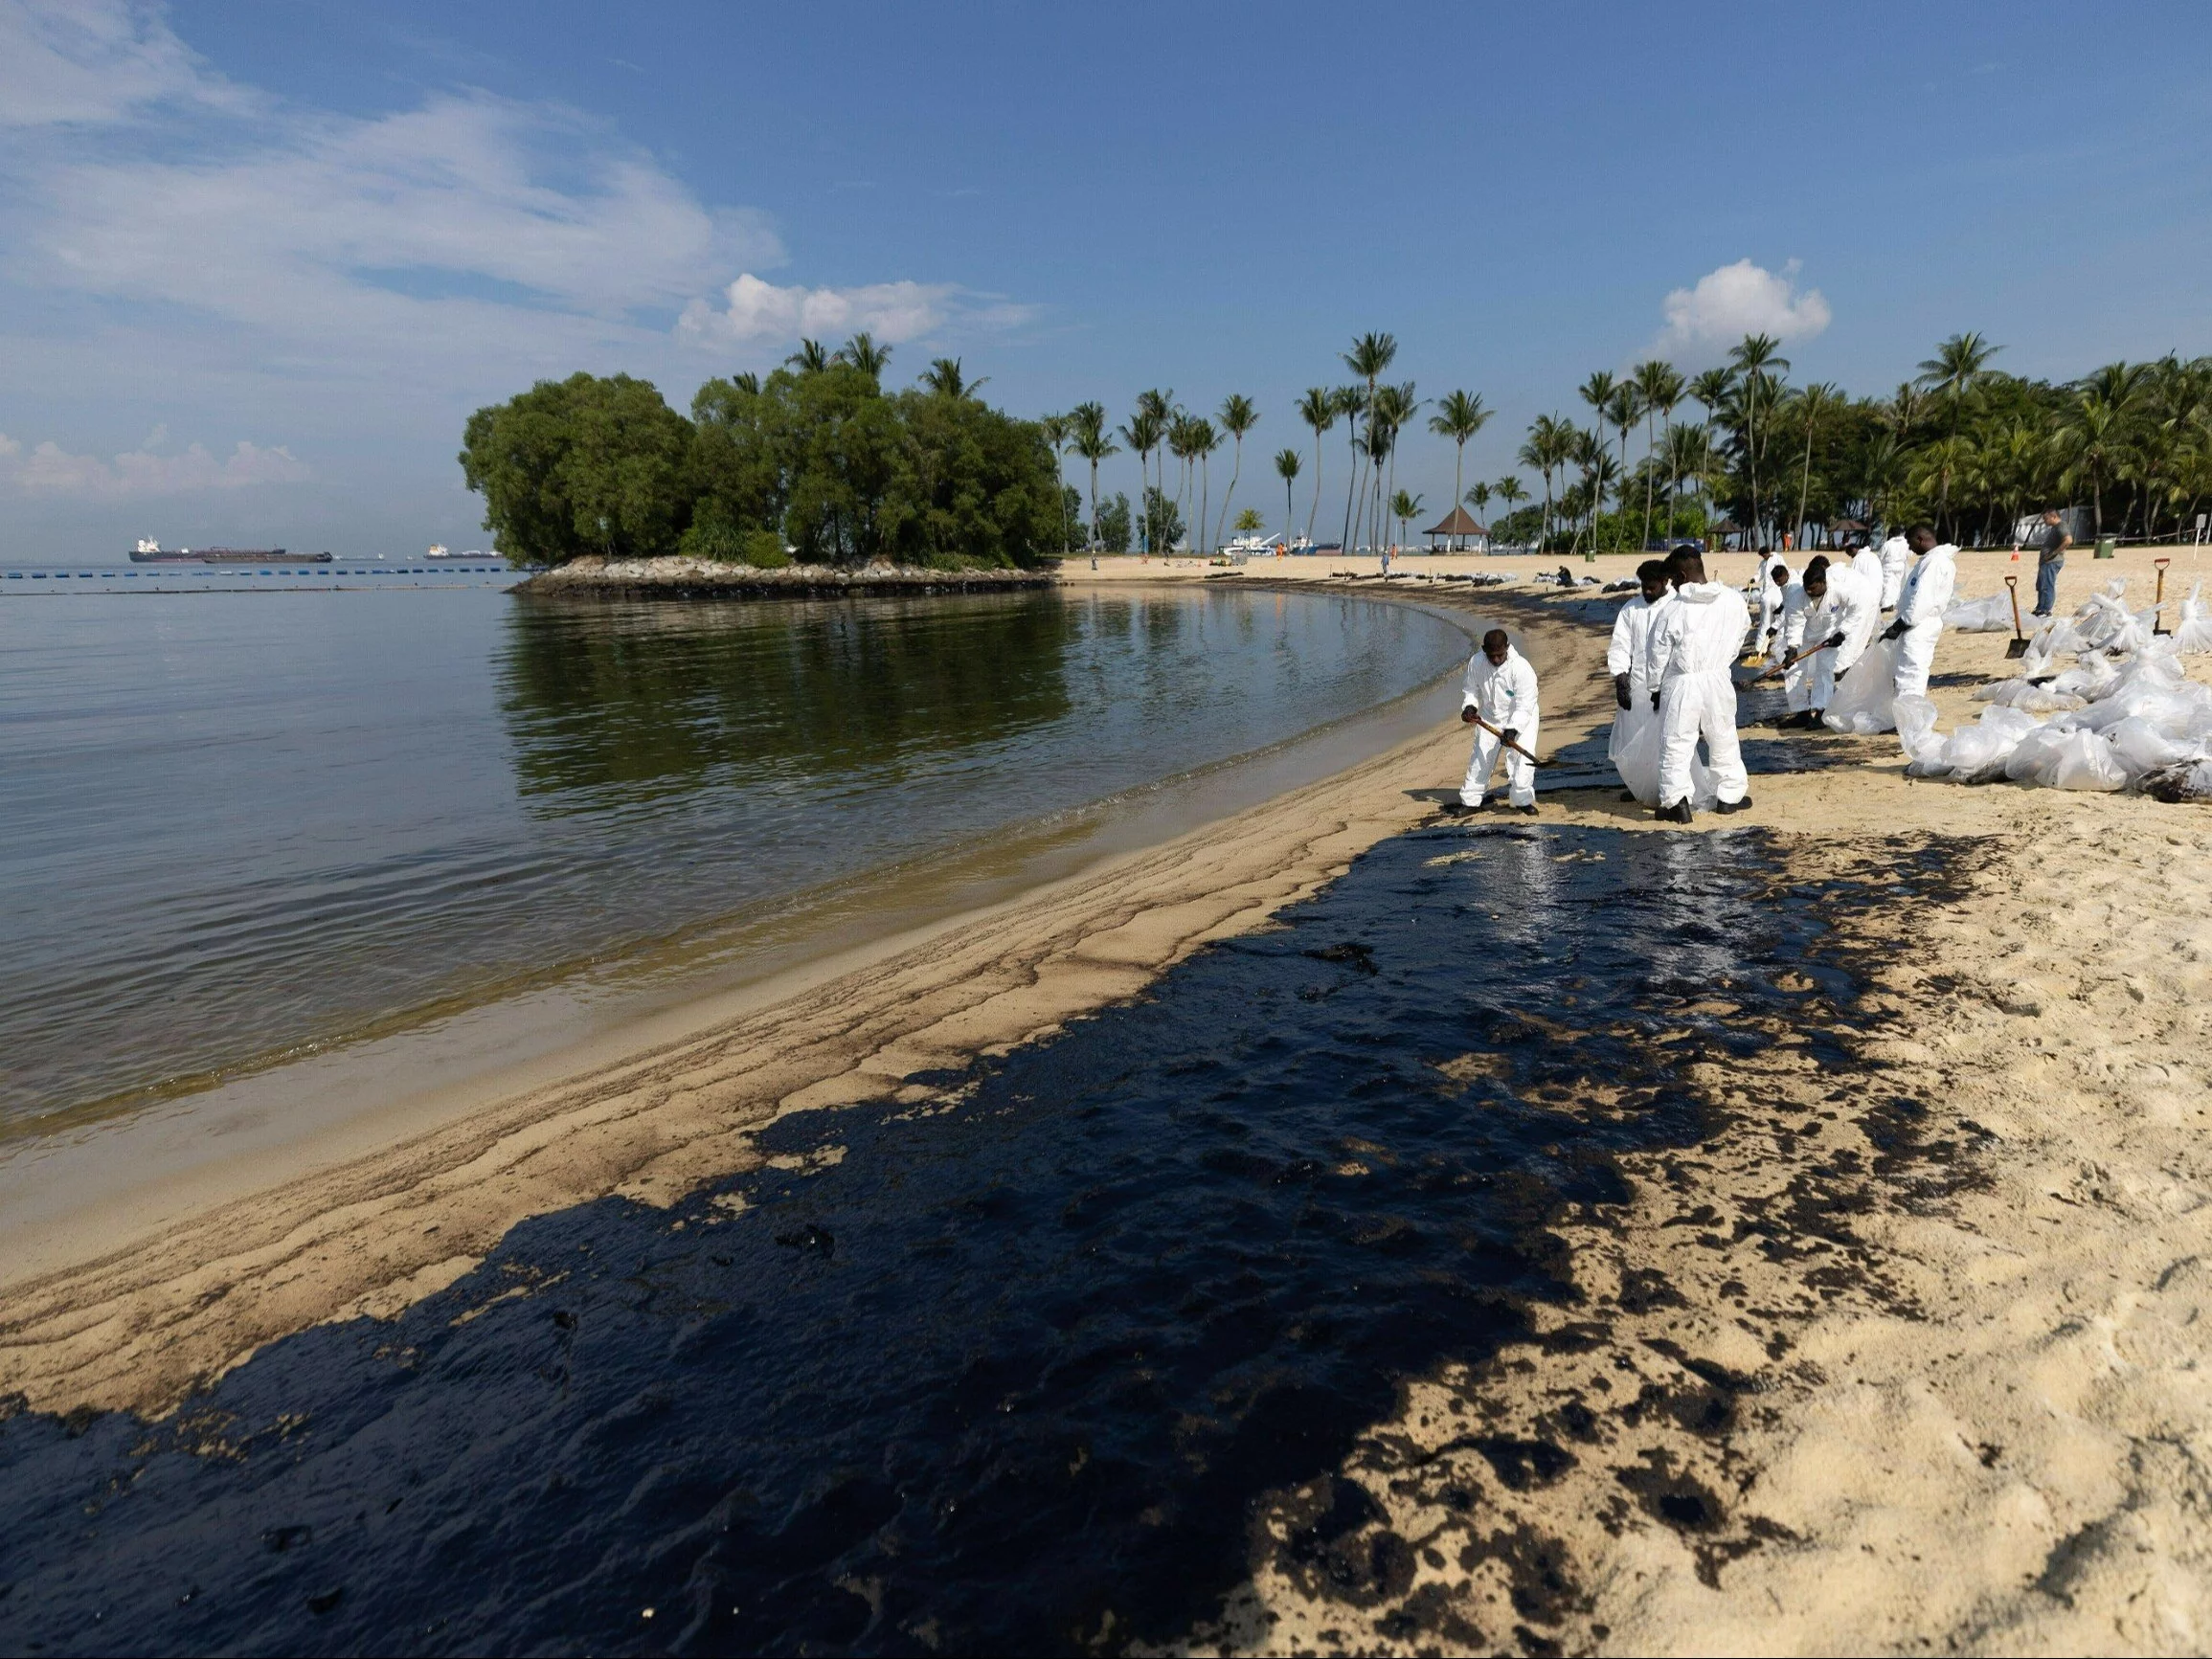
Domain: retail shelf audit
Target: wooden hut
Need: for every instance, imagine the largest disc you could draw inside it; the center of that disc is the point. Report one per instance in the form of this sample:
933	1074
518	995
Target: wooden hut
1457	527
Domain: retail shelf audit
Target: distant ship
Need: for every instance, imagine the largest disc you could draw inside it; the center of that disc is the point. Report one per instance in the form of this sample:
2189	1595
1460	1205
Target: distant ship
153	553
438	551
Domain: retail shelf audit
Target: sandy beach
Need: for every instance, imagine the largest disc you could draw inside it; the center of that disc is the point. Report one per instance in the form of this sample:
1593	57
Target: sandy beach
1895	1367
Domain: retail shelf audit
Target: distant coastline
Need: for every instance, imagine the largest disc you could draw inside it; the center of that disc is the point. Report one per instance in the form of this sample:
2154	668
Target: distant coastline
676	577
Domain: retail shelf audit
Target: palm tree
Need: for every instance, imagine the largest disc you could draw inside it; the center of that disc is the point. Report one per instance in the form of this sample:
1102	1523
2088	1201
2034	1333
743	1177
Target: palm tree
864	354
2090	442
1957	365
1183	444
1689	456
1599	392
1203	441
1510	492
809	359
1459	415
1755	358
1544	452
1370	358
1056	429
1623	408
1381	438
1141	432
1318	410
1658	387
1238	416
1352	404
1405	507
943	377
1394	407
1088	423
1813	402
747	381
1478	497
1713	389
1286	468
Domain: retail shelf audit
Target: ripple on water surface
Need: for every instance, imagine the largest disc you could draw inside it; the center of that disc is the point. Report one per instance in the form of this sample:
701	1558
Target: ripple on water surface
1022	1370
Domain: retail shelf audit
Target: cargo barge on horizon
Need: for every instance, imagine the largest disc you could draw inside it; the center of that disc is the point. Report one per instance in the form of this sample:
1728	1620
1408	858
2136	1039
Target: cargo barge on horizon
153	553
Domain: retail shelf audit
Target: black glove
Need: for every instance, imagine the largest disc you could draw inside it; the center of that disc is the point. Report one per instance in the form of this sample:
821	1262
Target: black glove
1654	696
1839	673
1620	690
1467	715
1894	630
1511	734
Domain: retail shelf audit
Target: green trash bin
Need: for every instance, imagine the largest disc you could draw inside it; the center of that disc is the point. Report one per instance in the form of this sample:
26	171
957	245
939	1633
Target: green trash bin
2103	548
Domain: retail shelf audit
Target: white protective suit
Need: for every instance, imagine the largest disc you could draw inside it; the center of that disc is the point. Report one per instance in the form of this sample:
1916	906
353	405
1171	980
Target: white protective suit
1873	572
1896	555
1920	606
1797	609
1504	694
1852	608
1630	654
1768	596
1693	648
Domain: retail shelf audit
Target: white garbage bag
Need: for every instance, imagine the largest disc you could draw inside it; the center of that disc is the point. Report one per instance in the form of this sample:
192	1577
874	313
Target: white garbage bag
2193	633
2024	693
1862	696
1990	615
2029	756
2083	760
1917	735
2142	747
1639	765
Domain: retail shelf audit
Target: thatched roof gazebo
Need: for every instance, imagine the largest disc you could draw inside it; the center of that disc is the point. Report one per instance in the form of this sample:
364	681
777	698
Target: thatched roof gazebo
1457	526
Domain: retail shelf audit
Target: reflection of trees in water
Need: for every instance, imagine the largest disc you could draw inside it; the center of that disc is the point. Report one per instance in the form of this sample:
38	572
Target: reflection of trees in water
643	700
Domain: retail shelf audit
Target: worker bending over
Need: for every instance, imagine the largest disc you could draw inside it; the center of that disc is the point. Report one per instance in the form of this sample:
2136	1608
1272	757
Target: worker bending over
1920	606
1499	694
1694	645
1846	607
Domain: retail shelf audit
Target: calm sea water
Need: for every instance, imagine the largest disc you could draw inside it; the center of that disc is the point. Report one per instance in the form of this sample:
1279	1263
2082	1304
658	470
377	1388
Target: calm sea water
240	826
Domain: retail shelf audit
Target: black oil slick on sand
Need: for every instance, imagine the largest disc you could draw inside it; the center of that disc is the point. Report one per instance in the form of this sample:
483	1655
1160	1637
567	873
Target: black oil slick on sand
1016	1370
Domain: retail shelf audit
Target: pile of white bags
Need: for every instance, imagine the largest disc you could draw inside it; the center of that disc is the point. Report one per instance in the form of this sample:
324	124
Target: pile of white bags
2128	717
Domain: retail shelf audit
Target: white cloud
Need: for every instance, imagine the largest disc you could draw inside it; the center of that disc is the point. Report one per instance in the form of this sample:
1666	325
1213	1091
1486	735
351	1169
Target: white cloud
92	63
760	311
1701	322
50	470
757	312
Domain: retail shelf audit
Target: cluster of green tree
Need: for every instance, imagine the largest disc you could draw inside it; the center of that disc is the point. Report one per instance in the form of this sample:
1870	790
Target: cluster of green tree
816	461
1963	444
1160	426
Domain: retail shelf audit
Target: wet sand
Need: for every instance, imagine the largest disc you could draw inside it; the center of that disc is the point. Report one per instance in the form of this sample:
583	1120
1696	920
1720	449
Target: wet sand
1903	1351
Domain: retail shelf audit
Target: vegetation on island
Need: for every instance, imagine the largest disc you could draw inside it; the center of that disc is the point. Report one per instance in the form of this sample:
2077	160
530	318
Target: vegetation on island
818	462
815	463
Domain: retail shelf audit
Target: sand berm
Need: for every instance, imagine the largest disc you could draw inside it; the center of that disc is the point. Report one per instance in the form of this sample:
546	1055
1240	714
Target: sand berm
1939	1364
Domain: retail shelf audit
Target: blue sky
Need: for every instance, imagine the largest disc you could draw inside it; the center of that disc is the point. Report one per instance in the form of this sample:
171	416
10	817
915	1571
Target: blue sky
258	262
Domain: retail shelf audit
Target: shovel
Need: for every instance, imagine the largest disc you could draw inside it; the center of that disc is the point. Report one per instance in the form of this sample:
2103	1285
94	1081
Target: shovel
2159	604
1785	667
2016	645
1475	719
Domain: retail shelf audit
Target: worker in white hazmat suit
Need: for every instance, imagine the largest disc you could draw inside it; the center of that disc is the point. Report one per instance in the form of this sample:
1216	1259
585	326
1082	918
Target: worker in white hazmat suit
1501	692
1766	597
1867	563
1840	627
1628	660
1797	607
1693	647
1920	606
1896	558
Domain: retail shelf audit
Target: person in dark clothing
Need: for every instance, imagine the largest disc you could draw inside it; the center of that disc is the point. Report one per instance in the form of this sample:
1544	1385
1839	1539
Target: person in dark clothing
2050	560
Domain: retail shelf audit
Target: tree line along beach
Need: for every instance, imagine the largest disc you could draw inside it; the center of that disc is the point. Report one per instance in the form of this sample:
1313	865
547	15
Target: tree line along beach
1797	1220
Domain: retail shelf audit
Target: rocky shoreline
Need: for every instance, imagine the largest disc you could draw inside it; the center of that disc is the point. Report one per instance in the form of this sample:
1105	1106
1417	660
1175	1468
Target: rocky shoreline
707	578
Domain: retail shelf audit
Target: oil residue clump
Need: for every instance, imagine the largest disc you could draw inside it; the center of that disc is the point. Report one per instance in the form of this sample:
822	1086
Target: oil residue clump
1014	1370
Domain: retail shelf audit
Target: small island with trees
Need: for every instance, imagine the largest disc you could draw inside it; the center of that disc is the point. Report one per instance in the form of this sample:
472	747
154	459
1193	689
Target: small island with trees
813	479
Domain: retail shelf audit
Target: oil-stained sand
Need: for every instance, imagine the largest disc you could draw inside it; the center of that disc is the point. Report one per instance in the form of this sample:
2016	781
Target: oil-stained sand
1051	1359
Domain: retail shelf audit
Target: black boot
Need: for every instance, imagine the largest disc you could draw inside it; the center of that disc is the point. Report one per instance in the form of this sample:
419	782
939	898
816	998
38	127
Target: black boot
1727	806
1679	812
